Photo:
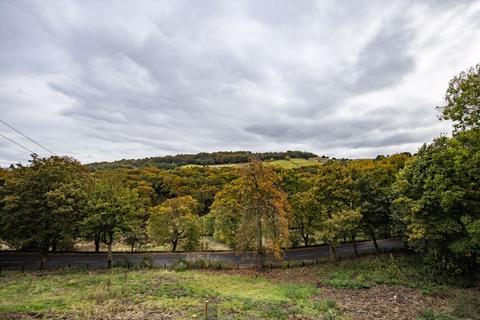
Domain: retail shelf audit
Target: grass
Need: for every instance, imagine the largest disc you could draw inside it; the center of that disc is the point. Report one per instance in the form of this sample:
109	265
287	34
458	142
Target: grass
85	295
390	270
234	294
465	306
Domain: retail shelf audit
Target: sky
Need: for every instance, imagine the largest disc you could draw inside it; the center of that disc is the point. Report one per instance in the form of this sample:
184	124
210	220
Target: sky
106	80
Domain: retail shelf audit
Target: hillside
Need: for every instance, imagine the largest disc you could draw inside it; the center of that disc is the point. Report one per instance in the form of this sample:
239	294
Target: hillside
208	159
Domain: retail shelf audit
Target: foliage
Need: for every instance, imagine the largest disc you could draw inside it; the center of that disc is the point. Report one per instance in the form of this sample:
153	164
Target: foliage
221	157
175	220
462	100
252	212
334	189
439	197
42	203
112	208
227	212
373	180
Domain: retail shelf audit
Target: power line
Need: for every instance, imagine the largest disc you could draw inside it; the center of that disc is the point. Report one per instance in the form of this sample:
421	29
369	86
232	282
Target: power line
18	144
25	136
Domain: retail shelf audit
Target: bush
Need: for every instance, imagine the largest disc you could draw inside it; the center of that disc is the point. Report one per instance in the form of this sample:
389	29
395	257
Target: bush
194	262
180	265
147	262
124	263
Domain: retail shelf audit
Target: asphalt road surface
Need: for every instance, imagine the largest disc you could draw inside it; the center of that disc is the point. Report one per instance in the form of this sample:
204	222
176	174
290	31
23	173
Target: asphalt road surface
29	261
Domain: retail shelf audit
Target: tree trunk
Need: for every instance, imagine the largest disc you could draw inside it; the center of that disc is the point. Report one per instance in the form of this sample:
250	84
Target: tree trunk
43	262
97	241
372	234
174	245
133	244
109	254
258	226
333	253
354	244
306	240
54	245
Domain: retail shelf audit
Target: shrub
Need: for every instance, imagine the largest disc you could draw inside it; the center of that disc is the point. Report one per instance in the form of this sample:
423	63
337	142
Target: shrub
180	265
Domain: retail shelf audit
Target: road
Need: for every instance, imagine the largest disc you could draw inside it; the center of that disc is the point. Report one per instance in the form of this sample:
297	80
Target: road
31	261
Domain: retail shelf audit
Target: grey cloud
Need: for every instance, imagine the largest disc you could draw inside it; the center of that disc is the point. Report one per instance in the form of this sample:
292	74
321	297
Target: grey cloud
108	80
386	58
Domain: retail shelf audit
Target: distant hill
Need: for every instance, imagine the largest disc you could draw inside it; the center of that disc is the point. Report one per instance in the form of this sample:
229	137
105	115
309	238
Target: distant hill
203	159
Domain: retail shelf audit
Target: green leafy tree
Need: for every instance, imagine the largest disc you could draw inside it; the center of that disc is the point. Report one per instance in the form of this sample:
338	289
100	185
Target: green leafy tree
373	180
462	100
306	215
438	193
175	220
335	191
41	204
337	224
113	209
140	180
227	212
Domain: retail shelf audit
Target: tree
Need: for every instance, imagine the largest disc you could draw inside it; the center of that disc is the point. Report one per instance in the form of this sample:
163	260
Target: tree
337	224
113	209
227	212
305	208
175	220
306	212
373	180
265	211
335	191
438	195
140	180
41	204
462	100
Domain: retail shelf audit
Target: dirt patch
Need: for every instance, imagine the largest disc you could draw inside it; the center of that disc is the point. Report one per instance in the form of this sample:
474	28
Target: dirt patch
382	302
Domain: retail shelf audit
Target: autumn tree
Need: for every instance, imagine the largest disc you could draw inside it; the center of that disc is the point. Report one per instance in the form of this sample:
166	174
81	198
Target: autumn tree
175	220
265	211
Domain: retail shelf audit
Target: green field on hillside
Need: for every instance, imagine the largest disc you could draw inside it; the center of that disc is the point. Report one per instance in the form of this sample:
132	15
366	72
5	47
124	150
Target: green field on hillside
285	164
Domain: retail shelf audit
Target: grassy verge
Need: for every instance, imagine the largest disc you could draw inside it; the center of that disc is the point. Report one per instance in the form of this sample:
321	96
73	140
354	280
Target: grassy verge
146	293
389	270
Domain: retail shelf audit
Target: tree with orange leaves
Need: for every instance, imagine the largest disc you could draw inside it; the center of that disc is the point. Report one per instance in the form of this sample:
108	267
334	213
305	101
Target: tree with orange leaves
262	208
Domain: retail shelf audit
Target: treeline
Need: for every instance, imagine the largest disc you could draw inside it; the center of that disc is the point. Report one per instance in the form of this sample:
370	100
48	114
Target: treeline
203	159
431	200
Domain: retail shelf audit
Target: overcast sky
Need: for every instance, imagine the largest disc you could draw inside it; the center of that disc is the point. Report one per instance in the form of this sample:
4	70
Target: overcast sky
105	80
